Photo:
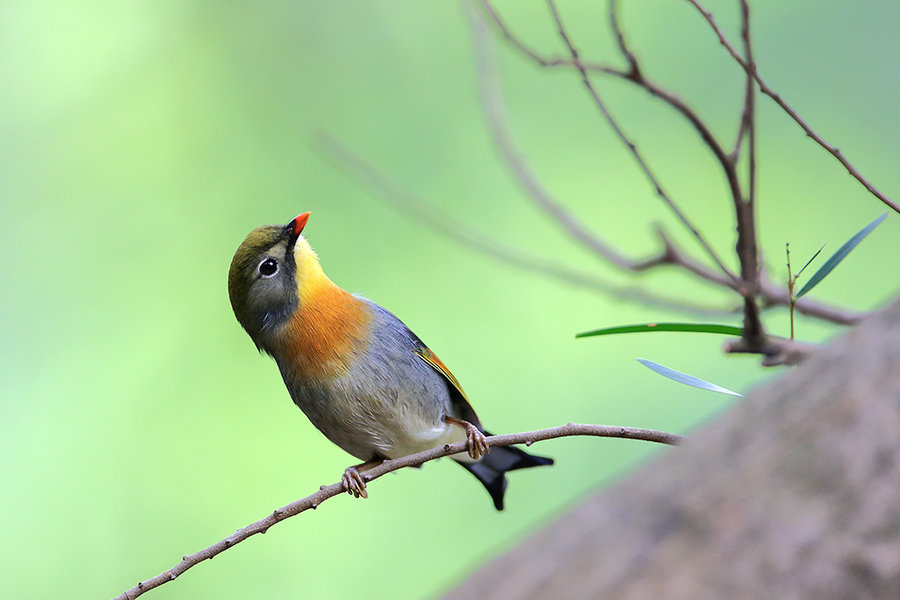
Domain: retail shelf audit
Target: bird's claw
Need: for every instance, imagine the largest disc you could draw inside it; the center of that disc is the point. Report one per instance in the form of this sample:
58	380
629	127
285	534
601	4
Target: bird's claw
354	483
476	442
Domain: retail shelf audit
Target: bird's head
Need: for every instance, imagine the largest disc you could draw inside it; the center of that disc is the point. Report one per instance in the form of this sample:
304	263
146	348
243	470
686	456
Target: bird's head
267	278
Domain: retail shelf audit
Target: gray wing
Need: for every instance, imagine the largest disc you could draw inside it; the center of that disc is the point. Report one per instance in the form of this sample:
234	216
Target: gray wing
459	400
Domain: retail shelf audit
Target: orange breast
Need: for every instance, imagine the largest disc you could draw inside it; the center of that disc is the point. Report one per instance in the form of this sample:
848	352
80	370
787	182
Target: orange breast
324	334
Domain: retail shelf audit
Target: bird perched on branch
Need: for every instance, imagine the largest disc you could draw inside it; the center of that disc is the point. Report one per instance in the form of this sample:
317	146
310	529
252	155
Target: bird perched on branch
358	373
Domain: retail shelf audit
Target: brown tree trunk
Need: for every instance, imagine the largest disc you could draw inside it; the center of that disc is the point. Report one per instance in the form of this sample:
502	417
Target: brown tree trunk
794	493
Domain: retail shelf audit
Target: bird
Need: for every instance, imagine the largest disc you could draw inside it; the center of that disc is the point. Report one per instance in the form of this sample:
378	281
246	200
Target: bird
358	373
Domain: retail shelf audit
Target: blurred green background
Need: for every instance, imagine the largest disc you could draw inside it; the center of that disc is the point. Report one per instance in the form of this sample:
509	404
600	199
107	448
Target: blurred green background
142	140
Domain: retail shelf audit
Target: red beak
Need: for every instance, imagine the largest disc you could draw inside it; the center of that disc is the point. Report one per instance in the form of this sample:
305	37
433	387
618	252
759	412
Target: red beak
296	226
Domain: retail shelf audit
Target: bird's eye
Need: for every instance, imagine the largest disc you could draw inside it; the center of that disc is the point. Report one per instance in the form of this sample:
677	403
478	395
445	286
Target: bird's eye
268	267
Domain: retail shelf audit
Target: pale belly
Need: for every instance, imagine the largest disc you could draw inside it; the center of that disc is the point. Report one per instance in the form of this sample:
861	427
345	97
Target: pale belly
411	442
368	427
390	436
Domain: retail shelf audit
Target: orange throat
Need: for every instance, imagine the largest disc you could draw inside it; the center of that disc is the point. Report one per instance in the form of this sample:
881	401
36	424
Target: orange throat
329	327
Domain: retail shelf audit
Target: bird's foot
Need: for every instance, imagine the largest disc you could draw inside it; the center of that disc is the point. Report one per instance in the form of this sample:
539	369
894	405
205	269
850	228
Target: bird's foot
354	483
476	442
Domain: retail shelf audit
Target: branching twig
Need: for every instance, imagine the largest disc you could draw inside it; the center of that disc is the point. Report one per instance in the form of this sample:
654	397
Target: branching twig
410	204
445	224
770	293
413	460
638	157
556	61
752	71
495	115
636	75
773	294
745	207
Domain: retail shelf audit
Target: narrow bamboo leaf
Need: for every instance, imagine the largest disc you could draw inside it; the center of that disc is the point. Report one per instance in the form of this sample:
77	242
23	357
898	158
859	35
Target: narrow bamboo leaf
645	327
686	379
840	255
818	252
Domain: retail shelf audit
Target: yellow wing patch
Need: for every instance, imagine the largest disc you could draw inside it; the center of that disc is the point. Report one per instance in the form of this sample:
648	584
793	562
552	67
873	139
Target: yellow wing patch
432	359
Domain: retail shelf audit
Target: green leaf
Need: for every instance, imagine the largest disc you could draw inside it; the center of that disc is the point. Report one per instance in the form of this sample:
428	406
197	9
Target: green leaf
694	327
840	255
809	262
685	379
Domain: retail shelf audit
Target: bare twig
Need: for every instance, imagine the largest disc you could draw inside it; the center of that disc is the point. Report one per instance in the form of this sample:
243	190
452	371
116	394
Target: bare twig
556	61
495	116
444	223
744	207
638	157
413	460
412	205
461	233
769	293
791	280
772	294
636	75
753	72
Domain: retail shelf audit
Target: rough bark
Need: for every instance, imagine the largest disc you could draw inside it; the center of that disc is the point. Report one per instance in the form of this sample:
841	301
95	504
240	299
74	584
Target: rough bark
793	493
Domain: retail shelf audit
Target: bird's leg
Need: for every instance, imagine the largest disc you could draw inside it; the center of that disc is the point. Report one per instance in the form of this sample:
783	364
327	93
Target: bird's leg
352	478
476	443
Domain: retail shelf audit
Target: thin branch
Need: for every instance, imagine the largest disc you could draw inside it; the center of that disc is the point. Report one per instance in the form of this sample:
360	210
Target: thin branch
495	116
413	460
443	223
411	204
745	208
638	157
749	110
753	72
770	294
636	75
634	69
556	61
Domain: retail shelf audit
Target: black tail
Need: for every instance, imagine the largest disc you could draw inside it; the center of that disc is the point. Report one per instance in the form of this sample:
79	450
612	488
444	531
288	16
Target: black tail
491	469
